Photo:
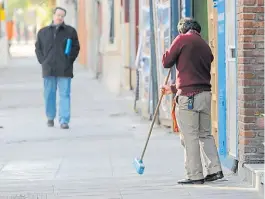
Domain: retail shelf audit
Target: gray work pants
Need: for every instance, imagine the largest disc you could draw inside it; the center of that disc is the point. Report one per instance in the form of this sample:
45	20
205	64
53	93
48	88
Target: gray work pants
196	137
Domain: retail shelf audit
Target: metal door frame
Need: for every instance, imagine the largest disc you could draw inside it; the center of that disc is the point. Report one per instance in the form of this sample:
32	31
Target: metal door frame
227	160
221	79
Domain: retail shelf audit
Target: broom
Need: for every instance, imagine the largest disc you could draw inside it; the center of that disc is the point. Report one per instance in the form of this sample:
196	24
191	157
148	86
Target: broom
138	162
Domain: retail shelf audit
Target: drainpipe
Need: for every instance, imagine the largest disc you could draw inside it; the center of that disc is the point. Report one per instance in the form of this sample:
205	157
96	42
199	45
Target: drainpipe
153	40
175	16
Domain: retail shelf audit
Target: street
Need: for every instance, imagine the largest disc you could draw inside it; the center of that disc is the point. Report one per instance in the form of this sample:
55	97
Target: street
93	159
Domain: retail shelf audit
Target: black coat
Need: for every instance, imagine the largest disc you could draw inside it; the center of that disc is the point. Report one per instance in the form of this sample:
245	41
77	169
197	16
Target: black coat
50	46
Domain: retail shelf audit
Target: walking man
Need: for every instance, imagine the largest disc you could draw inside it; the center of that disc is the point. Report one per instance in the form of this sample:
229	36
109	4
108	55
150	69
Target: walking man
193	58
57	67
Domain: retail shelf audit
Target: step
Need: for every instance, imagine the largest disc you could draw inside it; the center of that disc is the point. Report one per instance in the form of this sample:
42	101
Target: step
255	176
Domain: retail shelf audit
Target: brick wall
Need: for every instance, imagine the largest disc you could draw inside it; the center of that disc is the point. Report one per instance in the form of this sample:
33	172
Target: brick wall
250	23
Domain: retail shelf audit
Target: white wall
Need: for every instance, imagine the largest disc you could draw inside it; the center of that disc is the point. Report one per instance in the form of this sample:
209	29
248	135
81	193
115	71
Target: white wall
71	18
92	34
4	60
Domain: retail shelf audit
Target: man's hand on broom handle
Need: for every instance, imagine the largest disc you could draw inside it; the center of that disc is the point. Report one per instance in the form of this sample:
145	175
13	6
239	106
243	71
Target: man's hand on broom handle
168	89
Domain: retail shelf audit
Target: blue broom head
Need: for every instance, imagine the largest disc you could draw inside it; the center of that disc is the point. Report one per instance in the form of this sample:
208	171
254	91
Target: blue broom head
139	166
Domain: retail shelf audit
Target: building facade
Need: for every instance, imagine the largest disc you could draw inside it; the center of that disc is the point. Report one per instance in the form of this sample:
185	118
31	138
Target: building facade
236	36
105	41
114	34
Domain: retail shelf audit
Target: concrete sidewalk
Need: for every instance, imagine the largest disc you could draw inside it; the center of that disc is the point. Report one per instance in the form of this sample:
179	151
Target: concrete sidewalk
94	158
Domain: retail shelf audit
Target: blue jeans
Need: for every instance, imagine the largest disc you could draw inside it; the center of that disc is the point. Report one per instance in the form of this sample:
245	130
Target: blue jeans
50	88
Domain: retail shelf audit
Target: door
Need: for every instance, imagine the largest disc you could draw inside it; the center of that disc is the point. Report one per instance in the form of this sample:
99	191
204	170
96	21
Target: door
231	79
212	37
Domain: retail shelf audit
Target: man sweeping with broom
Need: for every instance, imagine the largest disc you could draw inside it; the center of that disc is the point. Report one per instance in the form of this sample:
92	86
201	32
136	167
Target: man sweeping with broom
193	58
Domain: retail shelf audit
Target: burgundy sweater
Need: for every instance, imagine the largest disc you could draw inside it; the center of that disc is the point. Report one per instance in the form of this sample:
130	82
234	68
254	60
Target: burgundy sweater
193	58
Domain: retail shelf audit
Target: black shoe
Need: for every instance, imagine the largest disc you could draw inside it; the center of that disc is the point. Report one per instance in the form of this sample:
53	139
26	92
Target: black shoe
64	126
189	181
50	123
216	176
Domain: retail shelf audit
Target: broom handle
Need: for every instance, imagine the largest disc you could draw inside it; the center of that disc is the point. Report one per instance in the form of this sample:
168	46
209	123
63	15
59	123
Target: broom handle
154	117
